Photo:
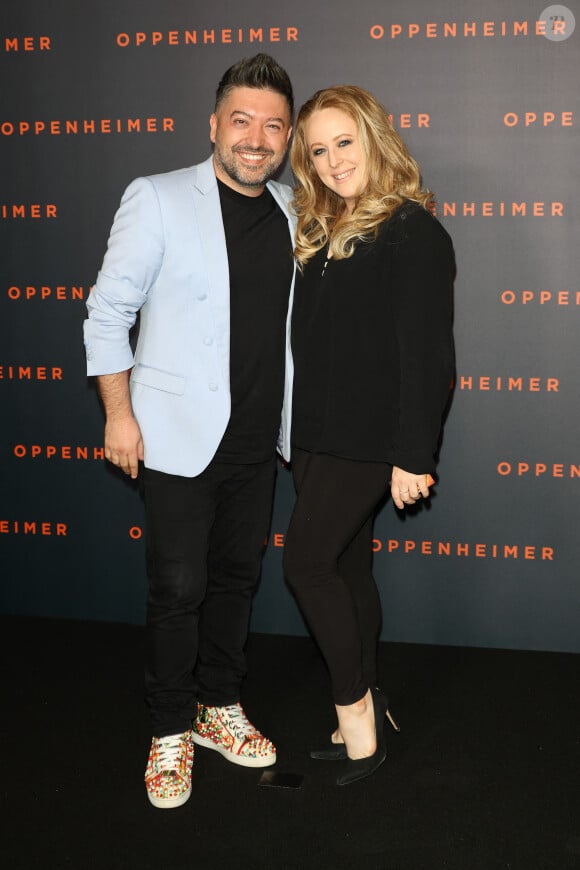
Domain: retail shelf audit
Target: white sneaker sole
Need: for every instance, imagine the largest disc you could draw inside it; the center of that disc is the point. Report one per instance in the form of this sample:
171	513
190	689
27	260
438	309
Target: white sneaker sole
170	803
243	761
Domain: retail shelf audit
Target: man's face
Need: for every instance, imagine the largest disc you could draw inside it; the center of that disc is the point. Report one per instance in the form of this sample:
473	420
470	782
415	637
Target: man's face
250	131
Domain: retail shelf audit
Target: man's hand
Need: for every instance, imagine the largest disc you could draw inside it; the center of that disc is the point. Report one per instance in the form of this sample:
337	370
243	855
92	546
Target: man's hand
123	441
124	444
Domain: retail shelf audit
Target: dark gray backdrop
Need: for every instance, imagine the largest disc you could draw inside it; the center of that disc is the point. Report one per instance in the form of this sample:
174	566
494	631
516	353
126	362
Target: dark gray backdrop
492	559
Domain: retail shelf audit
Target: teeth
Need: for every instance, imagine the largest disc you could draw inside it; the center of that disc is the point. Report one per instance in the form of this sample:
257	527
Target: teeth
255	157
343	175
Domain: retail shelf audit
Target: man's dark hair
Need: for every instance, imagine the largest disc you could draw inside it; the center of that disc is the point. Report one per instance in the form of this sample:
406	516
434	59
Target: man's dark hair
260	71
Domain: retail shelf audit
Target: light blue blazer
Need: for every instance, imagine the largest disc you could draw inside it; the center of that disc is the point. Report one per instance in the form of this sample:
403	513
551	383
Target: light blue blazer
167	259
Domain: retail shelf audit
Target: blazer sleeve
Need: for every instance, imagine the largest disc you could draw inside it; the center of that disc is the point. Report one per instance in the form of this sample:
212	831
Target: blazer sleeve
130	268
423	271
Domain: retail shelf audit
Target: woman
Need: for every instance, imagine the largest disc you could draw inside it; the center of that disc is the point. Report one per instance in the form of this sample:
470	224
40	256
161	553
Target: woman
373	354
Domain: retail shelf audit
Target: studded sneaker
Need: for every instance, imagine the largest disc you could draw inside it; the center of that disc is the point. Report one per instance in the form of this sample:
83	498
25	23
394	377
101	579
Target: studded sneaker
228	730
168	774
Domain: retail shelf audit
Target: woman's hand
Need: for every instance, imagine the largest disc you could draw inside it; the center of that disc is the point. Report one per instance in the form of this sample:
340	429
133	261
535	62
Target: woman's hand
407	488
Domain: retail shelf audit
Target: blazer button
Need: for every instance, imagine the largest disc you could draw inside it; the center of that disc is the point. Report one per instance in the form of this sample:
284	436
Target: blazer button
213	386
208	340
202	296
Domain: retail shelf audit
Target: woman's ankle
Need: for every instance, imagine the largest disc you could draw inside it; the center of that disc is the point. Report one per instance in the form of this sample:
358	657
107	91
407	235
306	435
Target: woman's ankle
358	708
356	725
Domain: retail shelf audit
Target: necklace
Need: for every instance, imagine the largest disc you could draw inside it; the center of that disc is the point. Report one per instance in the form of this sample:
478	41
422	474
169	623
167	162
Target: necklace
326	262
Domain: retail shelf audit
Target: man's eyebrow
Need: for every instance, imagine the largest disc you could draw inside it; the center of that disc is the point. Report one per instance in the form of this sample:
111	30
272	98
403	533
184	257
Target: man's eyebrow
249	115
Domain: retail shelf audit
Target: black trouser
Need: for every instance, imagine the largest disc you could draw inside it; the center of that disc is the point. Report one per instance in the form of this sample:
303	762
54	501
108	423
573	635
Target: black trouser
328	563
205	541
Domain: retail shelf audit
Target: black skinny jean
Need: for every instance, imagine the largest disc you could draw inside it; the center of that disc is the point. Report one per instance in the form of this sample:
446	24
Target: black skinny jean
328	564
205	541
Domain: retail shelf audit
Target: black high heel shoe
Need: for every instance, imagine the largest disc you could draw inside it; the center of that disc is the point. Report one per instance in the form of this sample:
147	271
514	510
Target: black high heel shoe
359	768
337	751
330	752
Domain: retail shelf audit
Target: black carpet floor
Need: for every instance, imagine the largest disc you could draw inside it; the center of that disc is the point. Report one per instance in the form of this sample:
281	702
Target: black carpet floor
484	774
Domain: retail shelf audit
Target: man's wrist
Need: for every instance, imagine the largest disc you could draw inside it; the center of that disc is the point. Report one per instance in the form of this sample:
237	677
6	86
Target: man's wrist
125	416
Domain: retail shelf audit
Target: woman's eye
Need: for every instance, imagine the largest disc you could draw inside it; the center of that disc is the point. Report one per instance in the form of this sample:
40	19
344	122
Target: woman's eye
344	142
318	151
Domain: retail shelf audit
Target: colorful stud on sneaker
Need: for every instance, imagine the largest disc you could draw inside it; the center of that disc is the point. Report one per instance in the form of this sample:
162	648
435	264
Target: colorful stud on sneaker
168	774
227	730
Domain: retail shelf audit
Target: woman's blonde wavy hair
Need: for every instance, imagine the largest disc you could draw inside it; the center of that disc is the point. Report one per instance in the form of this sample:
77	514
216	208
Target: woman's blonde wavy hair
393	177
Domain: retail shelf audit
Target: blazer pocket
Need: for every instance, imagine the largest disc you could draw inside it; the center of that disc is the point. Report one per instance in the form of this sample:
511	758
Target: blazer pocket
158	379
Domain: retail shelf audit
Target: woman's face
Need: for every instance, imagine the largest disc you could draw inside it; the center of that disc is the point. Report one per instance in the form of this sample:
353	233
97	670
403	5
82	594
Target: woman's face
333	142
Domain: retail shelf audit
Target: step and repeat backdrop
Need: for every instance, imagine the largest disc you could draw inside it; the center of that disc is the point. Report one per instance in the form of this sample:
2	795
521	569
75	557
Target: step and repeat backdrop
486	96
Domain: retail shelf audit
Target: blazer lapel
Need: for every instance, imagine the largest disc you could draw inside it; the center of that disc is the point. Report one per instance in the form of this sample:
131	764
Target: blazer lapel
213	242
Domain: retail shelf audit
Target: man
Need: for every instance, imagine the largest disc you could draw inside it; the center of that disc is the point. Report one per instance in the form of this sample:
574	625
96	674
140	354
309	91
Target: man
205	255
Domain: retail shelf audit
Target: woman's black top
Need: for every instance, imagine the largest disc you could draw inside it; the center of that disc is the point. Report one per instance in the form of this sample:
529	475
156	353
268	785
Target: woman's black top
373	348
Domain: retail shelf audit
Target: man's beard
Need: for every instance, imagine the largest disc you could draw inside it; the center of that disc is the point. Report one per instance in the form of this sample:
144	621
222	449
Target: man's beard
244	175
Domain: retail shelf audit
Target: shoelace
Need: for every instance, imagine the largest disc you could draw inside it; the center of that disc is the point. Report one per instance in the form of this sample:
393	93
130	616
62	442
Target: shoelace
240	722
168	751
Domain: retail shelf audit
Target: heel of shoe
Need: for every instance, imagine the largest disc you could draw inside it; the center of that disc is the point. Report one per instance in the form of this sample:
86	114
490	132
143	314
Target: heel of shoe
380	694
392	721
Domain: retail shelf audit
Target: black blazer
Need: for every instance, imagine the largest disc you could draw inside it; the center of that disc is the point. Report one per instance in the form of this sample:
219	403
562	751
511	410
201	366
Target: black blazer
373	348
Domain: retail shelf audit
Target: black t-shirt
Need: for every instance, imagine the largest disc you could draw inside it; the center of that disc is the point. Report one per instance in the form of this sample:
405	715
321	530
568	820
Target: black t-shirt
259	250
